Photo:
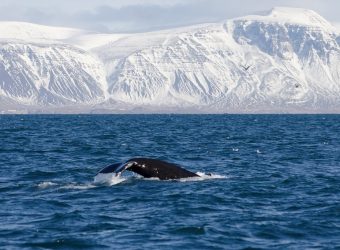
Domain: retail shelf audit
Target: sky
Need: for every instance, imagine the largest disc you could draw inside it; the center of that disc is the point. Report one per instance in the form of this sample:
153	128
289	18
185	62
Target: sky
119	16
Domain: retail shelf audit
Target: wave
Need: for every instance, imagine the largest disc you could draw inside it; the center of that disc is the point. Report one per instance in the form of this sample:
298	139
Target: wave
49	184
111	179
46	184
78	186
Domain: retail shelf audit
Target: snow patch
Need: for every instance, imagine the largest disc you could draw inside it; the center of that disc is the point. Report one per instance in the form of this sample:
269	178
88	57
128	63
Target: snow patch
287	60
297	16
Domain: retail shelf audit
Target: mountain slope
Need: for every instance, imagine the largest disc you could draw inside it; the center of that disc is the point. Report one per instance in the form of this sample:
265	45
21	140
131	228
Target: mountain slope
286	60
50	74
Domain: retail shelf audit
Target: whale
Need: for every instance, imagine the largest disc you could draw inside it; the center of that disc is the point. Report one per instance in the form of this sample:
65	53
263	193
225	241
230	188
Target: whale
149	168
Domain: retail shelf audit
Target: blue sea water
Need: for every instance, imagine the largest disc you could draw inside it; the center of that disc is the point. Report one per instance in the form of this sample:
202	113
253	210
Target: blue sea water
278	184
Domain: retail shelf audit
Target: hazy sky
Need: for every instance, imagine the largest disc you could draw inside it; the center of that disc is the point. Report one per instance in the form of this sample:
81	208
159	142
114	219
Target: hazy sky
145	15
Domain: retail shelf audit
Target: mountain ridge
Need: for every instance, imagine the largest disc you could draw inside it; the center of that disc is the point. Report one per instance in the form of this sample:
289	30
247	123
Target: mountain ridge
279	62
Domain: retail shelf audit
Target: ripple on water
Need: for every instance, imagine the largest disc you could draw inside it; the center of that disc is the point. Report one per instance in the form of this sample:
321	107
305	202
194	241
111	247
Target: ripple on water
274	182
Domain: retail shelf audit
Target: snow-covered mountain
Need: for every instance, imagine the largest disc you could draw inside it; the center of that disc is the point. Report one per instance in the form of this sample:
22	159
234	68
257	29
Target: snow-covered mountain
286	60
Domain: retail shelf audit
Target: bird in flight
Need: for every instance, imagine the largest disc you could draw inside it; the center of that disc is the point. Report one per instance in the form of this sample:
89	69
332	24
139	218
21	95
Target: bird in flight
245	67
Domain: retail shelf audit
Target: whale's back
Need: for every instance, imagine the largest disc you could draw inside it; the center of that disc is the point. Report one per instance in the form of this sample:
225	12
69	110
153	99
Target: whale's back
159	169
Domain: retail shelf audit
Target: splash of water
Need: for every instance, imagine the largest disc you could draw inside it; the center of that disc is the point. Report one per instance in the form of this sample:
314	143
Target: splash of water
108	179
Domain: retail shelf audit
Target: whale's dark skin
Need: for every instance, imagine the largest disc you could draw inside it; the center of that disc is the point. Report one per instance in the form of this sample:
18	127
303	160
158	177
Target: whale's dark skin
150	168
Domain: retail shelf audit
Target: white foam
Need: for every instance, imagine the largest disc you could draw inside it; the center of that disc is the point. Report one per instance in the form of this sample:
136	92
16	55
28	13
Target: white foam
211	176
203	176
99	179
78	186
46	184
108	179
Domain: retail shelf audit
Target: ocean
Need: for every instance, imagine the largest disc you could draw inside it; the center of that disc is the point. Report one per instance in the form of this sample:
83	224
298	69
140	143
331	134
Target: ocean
275	182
